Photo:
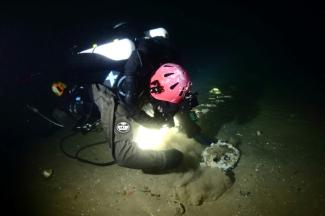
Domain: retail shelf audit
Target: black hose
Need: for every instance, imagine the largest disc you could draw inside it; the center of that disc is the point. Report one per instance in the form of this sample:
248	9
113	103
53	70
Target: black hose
76	155
35	110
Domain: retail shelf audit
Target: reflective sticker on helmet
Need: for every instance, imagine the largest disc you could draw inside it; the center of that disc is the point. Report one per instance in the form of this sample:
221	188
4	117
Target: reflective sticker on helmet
122	127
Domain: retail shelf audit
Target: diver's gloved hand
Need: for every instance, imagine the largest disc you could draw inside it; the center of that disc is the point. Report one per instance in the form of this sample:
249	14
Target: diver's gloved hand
146	121
155	123
165	116
169	123
190	101
173	158
164	121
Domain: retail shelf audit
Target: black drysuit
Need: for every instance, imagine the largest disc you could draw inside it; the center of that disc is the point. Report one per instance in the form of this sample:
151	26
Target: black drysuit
121	106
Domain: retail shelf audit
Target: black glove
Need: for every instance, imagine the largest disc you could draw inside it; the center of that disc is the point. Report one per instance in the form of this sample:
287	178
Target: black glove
165	111
190	101
147	121
167	120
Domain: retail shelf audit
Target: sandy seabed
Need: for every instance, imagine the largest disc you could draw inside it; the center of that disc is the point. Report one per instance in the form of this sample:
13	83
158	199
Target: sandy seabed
280	172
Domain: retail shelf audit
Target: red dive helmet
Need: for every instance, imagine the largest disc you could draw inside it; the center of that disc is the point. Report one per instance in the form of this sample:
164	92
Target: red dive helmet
170	83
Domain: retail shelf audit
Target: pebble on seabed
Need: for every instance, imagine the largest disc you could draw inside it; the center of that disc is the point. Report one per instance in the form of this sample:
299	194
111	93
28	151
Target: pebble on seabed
258	133
47	173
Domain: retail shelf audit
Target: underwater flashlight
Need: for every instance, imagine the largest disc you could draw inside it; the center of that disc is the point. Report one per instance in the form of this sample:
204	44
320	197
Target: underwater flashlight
147	138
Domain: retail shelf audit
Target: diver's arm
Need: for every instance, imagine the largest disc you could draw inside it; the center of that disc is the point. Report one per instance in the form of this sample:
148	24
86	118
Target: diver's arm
86	68
147	121
193	130
141	117
130	88
130	84
189	126
131	105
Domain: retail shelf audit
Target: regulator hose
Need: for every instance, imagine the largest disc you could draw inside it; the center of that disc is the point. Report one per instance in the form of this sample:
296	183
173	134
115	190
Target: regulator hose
76	155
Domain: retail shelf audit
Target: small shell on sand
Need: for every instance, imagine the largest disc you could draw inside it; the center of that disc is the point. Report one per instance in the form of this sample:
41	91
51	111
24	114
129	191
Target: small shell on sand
47	173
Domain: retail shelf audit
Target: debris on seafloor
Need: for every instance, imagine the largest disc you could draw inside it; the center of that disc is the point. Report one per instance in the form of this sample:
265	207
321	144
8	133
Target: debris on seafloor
221	155
148	191
180	208
145	189
128	191
47	173
215	91
239	134
245	193
215	97
259	133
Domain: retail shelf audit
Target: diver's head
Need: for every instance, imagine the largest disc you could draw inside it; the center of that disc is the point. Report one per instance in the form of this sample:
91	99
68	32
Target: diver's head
170	83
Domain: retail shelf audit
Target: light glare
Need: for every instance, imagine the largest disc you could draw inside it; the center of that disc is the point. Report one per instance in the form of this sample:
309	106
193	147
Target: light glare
158	32
116	50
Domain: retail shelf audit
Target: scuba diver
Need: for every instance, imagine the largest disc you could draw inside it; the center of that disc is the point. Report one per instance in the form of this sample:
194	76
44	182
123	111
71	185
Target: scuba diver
112	82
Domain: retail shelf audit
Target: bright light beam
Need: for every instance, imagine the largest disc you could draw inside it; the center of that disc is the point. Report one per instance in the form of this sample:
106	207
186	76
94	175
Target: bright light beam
153	139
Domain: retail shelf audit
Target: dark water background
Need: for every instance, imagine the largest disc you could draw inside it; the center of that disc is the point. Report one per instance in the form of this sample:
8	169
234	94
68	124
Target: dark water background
273	51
